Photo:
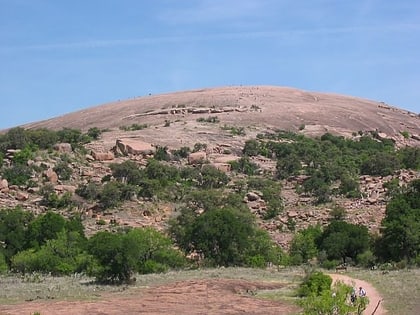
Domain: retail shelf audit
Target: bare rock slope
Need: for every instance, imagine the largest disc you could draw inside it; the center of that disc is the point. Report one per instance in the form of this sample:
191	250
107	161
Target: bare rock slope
255	108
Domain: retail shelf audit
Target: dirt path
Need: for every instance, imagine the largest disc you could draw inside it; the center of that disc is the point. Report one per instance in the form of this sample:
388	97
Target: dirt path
372	293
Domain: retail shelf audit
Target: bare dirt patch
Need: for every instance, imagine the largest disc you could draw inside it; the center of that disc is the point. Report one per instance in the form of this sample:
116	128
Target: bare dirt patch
214	296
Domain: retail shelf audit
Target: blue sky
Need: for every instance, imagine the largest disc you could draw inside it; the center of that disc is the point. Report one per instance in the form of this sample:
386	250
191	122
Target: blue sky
57	57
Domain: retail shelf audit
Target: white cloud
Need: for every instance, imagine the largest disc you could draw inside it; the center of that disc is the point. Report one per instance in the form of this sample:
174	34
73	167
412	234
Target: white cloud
279	34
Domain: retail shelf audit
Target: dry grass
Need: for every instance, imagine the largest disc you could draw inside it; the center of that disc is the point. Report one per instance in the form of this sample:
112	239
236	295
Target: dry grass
400	289
16	289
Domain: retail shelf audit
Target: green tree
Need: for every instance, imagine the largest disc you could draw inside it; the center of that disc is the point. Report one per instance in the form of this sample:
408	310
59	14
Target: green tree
62	255
224	236
149	251
94	133
16	138
107	249
63	170
13	230
89	191
341	239
111	195
161	154
52	200
211	177
304	245
244	165
43	138
17	174
401	226
43	228
119	255
288	166
127	172
25	154
380	163
251	148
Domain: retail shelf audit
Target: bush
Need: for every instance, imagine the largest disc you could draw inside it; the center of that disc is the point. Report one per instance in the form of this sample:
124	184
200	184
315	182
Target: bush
119	255
90	191
110	195
330	264
210	119
94	133
182	152
314	284
52	200
17	174
63	170
3	263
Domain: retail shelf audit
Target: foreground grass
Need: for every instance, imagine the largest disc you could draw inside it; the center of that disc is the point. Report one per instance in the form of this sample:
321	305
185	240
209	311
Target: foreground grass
16	289
399	288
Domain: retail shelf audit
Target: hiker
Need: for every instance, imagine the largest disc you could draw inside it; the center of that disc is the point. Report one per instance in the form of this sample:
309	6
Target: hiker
362	292
353	296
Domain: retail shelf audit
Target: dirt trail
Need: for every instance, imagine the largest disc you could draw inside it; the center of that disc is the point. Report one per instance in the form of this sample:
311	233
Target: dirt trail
372	293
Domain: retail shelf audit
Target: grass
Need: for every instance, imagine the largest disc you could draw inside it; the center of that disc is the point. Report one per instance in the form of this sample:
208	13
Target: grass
17	289
400	288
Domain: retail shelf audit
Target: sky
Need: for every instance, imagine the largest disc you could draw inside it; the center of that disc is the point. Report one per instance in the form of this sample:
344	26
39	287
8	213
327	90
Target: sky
57	57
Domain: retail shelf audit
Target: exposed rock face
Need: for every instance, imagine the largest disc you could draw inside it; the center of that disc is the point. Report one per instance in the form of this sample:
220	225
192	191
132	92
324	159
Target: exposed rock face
65	188
262	108
4	184
134	146
224	167
197	157
252	196
103	156
63	147
22	196
51	175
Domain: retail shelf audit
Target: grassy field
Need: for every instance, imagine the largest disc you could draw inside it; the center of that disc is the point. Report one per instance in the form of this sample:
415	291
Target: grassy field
400	288
15	289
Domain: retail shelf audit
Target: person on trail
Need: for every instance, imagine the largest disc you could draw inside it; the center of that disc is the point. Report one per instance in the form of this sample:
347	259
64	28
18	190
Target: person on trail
353	296
362	292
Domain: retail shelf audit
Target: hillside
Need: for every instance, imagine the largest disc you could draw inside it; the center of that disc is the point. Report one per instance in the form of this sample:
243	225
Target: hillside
256	108
223	119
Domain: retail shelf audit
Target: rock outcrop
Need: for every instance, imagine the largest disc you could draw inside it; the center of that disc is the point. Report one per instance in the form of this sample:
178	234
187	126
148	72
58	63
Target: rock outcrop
129	146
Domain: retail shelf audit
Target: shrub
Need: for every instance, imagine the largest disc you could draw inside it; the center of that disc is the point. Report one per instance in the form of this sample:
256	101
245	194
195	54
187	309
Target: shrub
110	195
182	152
63	170
94	133
314	284
134	127
90	191
210	119
17	174
199	147
161	154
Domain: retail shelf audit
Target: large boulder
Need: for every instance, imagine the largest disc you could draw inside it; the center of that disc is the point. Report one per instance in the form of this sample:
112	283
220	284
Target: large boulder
224	167
197	157
103	156
63	147
51	175
65	188
134	146
4	185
